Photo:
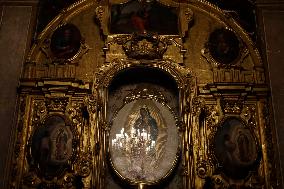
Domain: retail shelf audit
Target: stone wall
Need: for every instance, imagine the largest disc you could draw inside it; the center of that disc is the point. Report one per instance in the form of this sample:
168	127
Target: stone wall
271	24
16	24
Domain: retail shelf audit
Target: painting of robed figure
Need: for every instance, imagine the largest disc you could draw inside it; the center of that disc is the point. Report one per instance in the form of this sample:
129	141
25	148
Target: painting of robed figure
142	18
52	146
236	149
143	141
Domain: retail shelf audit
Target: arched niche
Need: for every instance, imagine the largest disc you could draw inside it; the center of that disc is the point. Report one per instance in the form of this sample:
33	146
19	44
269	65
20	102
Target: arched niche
136	82
125	87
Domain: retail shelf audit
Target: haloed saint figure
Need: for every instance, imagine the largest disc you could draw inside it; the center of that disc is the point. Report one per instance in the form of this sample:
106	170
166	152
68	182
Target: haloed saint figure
52	146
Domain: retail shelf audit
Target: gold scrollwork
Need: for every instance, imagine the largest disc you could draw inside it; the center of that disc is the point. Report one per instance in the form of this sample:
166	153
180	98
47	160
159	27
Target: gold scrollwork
232	106
103	16
145	47
56	104
186	17
197	105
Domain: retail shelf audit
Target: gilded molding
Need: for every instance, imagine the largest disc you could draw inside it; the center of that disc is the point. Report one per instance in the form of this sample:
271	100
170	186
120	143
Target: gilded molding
107	71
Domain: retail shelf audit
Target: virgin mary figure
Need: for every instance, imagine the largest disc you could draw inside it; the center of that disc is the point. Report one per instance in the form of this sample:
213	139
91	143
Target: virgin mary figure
146	122
145	117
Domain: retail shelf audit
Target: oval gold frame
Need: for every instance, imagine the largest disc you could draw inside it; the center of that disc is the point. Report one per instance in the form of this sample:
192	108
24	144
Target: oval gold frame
174	163
74	142
215	160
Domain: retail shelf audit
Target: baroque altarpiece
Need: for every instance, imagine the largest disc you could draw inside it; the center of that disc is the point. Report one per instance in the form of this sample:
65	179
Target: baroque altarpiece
144	94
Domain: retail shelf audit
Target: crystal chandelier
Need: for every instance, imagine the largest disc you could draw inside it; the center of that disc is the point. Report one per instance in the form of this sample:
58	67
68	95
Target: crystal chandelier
138	144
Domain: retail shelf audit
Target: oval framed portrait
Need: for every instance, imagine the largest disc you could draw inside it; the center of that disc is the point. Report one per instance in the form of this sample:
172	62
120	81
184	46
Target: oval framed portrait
65	41
224	46
144	142
52	146
236	148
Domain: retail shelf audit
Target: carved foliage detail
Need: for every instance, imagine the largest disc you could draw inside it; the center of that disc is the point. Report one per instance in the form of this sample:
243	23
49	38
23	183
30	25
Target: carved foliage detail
56	104
231	106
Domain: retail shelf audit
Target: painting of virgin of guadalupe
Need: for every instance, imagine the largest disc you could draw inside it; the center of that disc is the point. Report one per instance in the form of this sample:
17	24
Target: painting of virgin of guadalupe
52	146
141	18
144	143
236	149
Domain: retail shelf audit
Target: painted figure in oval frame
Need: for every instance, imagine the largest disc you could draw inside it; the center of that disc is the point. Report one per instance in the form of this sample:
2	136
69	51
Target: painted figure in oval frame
52	146
144	144
236	149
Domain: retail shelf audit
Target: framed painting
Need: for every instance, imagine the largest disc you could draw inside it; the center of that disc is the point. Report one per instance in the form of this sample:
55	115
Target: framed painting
65	41
138	17
224	46
51	146
236	148
144	142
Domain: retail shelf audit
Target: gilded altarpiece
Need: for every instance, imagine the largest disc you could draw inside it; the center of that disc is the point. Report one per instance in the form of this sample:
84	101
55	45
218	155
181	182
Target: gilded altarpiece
112	96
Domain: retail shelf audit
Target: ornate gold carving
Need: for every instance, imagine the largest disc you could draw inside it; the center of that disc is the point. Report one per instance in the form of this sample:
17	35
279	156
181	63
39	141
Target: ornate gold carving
144	47
231	106
186	17
91	128
202	168
197	105
84	165
103	18
249	114
181	75
56	104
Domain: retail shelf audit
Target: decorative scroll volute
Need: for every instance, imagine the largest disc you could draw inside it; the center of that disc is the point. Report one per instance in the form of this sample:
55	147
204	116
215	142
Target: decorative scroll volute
102	13
186	17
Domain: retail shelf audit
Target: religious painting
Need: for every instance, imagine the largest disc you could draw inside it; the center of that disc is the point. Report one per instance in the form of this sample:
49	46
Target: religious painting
52	146
151	17
235	148
144	141
224	46
65	41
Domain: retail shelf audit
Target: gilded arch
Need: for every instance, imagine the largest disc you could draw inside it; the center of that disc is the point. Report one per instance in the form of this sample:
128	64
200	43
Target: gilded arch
185	84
